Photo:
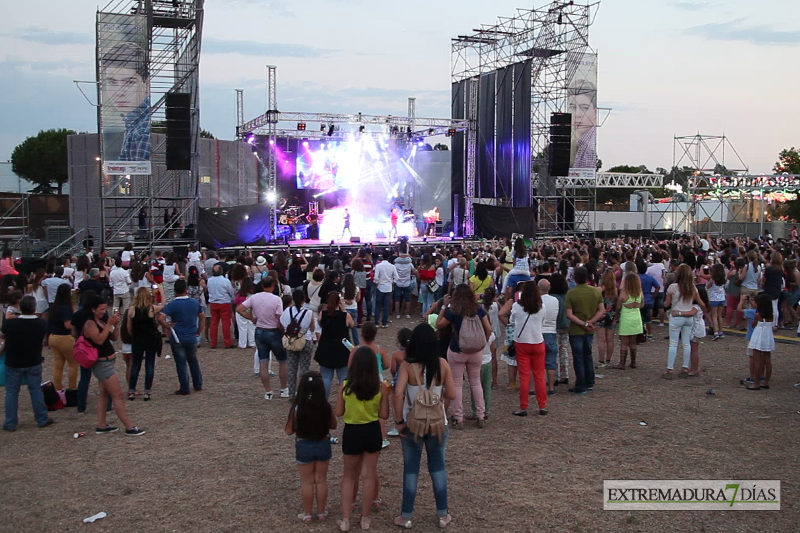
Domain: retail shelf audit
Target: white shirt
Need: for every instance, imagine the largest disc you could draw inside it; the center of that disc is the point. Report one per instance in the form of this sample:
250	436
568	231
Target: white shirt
550	320
305	323
194	257
126	256
530	332
705	245
68	273
120	281
169	274
440	276
486	354
385	276
657	271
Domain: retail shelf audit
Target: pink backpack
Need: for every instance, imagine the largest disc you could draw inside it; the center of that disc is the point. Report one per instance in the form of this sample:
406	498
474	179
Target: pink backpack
85	353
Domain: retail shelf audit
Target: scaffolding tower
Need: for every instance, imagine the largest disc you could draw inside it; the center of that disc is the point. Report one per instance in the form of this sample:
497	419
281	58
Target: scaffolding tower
174	29
555	38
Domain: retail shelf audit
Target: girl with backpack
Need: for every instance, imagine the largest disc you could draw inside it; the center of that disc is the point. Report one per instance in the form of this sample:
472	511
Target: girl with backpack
311	418
471	330
298	322
363	399
423	376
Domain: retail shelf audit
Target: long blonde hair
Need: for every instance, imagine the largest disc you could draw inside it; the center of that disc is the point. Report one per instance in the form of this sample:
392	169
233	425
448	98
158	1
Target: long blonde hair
633	285
685	282
142	299
609	284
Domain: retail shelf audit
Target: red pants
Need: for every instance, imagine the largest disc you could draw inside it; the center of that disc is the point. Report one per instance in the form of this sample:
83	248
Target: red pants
530	357
221	312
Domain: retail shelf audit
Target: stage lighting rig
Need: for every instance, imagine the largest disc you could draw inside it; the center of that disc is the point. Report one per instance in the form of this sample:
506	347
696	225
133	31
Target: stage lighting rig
322	128
330	130
301	126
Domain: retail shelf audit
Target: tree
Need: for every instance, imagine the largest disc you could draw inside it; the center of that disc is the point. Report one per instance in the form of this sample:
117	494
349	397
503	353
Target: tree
788	161
722	170
43	160
628	169
441	147
206	134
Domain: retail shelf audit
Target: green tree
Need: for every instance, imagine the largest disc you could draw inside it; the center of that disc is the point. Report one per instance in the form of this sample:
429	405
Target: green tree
43	160
788	161
629	169
206	134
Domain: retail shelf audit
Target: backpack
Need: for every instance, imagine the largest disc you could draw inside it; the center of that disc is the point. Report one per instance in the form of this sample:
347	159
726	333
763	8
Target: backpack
426	416
471	337
85	353
294	339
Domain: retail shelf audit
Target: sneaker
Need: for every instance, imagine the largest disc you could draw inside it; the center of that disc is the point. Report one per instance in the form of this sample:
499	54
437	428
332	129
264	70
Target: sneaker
542	412
577	391
271	373
385	326
134	431
393	433
257	374
649	337
551	392
408	317
397	317
107	429
284	393
745	381
797	385
268	395
49	422
385	444
481	424
179	393
521	412
334	440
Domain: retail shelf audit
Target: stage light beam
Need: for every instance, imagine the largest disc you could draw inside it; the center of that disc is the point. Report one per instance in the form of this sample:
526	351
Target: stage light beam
272	197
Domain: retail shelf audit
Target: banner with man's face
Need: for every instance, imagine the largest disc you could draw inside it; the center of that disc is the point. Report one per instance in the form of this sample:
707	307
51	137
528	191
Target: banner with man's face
582	103
124	89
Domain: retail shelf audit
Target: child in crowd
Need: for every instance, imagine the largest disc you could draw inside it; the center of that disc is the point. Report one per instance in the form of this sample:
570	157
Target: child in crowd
492	309
311	418
486	378
717	298
247	329
762	342
698	332
363	400
508	355
403	338
369	331
127	349
747	306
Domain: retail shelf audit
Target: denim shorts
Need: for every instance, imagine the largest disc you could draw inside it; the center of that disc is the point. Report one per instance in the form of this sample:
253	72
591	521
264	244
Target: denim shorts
270	341
550	351
102	370
308	451
658	301
402	294
647	313
717	304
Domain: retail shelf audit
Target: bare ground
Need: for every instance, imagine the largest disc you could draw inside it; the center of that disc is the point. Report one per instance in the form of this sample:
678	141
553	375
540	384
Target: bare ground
219	460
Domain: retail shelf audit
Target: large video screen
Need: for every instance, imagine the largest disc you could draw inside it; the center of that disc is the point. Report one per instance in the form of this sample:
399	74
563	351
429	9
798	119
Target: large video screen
322	165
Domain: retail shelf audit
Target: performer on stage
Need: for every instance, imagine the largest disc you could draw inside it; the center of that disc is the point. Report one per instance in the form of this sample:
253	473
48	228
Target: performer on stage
394	216
346	223
432	217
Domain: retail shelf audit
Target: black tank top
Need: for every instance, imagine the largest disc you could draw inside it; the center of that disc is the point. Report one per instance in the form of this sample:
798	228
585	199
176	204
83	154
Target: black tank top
144	327
106	349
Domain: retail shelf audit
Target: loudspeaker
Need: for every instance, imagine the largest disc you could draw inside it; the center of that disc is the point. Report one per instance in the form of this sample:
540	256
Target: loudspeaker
560	144
179	131
355	239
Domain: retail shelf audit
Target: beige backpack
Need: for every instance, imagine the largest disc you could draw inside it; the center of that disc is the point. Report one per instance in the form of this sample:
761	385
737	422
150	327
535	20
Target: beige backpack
426	416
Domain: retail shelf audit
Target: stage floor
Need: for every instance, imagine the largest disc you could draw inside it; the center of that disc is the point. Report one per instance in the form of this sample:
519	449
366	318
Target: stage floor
318	244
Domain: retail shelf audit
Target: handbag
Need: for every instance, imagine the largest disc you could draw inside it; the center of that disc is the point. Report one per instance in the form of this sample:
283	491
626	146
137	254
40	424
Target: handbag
85	353
433	286
294	340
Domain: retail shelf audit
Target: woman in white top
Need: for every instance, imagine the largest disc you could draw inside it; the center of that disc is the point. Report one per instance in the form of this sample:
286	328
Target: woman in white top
127	255
299	361
422	369
681	295
527	317
195	259
171	275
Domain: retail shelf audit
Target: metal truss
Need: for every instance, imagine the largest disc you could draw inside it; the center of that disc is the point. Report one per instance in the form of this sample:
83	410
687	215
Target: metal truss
607	180
175	36
272	128
472	147
705	154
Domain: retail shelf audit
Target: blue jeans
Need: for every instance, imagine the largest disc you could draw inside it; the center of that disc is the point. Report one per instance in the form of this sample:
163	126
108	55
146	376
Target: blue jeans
382	301
680	327
582	361
327	377
513	279
83	390
369	298
14	378
139	353
426	297
270	341
412	456
354	330
186	352
550	351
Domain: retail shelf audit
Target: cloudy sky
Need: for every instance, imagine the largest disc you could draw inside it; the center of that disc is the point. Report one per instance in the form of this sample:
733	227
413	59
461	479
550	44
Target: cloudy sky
667	67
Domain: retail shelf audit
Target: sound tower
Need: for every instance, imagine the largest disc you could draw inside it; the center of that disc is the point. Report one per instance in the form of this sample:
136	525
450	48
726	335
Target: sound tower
179	131
560	144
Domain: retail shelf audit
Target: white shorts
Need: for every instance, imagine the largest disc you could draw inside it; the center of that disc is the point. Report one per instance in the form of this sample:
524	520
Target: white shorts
126	348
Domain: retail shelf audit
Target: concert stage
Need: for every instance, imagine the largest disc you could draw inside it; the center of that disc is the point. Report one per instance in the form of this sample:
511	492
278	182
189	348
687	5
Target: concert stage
318	245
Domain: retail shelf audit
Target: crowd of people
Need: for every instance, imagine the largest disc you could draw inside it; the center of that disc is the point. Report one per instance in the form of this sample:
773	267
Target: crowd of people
534	305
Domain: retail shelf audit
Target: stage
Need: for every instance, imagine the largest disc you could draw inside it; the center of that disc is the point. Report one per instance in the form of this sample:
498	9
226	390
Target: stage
318	245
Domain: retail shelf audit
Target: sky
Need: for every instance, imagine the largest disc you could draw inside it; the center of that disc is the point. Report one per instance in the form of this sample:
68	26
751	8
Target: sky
666	67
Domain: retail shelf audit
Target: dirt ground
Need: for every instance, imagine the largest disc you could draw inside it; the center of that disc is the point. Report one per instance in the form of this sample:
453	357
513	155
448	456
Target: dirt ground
219	460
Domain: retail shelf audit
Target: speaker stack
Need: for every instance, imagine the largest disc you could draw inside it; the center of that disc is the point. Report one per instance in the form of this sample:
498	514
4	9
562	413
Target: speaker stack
560	144
179	131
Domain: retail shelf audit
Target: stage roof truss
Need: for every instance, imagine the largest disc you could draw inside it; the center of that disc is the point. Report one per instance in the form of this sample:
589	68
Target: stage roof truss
606	180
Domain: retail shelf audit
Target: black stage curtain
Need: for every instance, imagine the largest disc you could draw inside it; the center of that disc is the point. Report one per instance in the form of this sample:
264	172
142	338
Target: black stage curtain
245	225
485	151
522	134
458	153
491	221
505	140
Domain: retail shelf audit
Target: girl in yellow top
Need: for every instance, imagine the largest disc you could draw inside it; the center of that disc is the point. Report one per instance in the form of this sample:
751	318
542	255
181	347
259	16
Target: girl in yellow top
480	281
363	399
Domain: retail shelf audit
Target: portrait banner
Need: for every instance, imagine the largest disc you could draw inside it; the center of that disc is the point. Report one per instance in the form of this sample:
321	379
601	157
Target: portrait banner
124	93
582	103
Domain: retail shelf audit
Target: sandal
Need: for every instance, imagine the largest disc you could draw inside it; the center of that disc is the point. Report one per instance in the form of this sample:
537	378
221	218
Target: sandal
620	366
344	524
377	503
668	375
444	521
322	516
146	397
752	388
364	523
405	523
684	373
632	365
131	396
690	375
305	518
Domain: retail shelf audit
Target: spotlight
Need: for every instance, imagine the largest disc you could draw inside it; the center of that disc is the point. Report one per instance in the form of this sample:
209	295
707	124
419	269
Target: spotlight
430	132
361	129
421	144
452	234
330	131
322	128
451	132
272	197
305	144
97	158
251	139
301	126
272	142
